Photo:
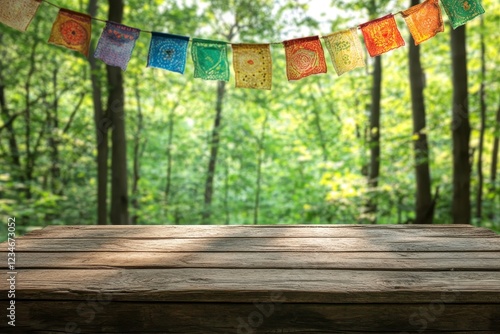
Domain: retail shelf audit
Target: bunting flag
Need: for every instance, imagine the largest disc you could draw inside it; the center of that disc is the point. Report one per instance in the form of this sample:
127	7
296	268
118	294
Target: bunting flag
382	35
72	30
168	52
252	62
424	20
304	57
462	11
252	65
116	44
18	14
345	49
210	60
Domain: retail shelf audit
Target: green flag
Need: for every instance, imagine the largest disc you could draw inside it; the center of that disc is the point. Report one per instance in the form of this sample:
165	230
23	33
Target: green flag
210	60
461	11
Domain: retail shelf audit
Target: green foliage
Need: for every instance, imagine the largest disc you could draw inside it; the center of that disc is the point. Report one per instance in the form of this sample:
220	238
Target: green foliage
315	146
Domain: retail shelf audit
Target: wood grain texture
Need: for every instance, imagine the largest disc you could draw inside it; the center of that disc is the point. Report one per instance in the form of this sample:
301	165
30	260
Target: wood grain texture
246	285
250	231
395	261
204	279
375	244
276	317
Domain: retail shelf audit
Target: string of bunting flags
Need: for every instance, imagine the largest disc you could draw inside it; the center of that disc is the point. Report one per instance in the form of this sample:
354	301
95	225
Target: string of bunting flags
252	63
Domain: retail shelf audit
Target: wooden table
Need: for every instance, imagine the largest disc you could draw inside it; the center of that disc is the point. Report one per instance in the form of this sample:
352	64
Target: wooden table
256	279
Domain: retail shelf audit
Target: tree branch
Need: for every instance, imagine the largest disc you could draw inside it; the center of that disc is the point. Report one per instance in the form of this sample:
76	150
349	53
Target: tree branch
10	121
73	114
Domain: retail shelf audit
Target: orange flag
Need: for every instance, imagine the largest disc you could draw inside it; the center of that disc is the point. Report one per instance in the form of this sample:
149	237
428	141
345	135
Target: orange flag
72	30
424	20
18	13
304	57
382	35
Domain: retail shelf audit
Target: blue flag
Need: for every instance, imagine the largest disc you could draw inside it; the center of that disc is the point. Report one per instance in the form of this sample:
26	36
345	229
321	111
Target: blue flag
168	52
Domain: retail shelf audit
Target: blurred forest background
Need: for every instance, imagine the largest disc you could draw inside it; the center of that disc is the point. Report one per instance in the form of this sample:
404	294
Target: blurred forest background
172	149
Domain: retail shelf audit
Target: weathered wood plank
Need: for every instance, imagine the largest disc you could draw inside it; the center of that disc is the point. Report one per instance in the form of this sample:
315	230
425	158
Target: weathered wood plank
407	261
203	231
246	285
276	317
387	244
203	279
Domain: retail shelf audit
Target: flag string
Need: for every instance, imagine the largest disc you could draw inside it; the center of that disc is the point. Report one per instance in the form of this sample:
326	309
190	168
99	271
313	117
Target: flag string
190	39
252	62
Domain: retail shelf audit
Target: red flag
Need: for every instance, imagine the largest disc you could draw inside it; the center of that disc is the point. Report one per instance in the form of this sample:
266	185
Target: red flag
382	35
304	57
72	30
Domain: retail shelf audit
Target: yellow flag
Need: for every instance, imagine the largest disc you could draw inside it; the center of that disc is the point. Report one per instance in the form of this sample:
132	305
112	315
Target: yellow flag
18	13
72	30
252	65
345	49
424	20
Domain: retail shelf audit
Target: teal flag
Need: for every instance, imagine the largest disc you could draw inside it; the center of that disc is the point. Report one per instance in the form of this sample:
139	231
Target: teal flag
168	52
210	60
461	11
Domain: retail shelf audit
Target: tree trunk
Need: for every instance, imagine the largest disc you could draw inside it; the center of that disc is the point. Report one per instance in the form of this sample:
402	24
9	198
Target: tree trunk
13	146
321	135
168	186
214	149
423	206
171	128
226	192
30	156
317	120
258	181
374	135
461	207
116	102
494	157
102	124
53	141
482	97
138	150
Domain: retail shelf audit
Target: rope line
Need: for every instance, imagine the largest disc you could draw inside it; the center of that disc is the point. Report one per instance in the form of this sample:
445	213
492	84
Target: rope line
190	39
